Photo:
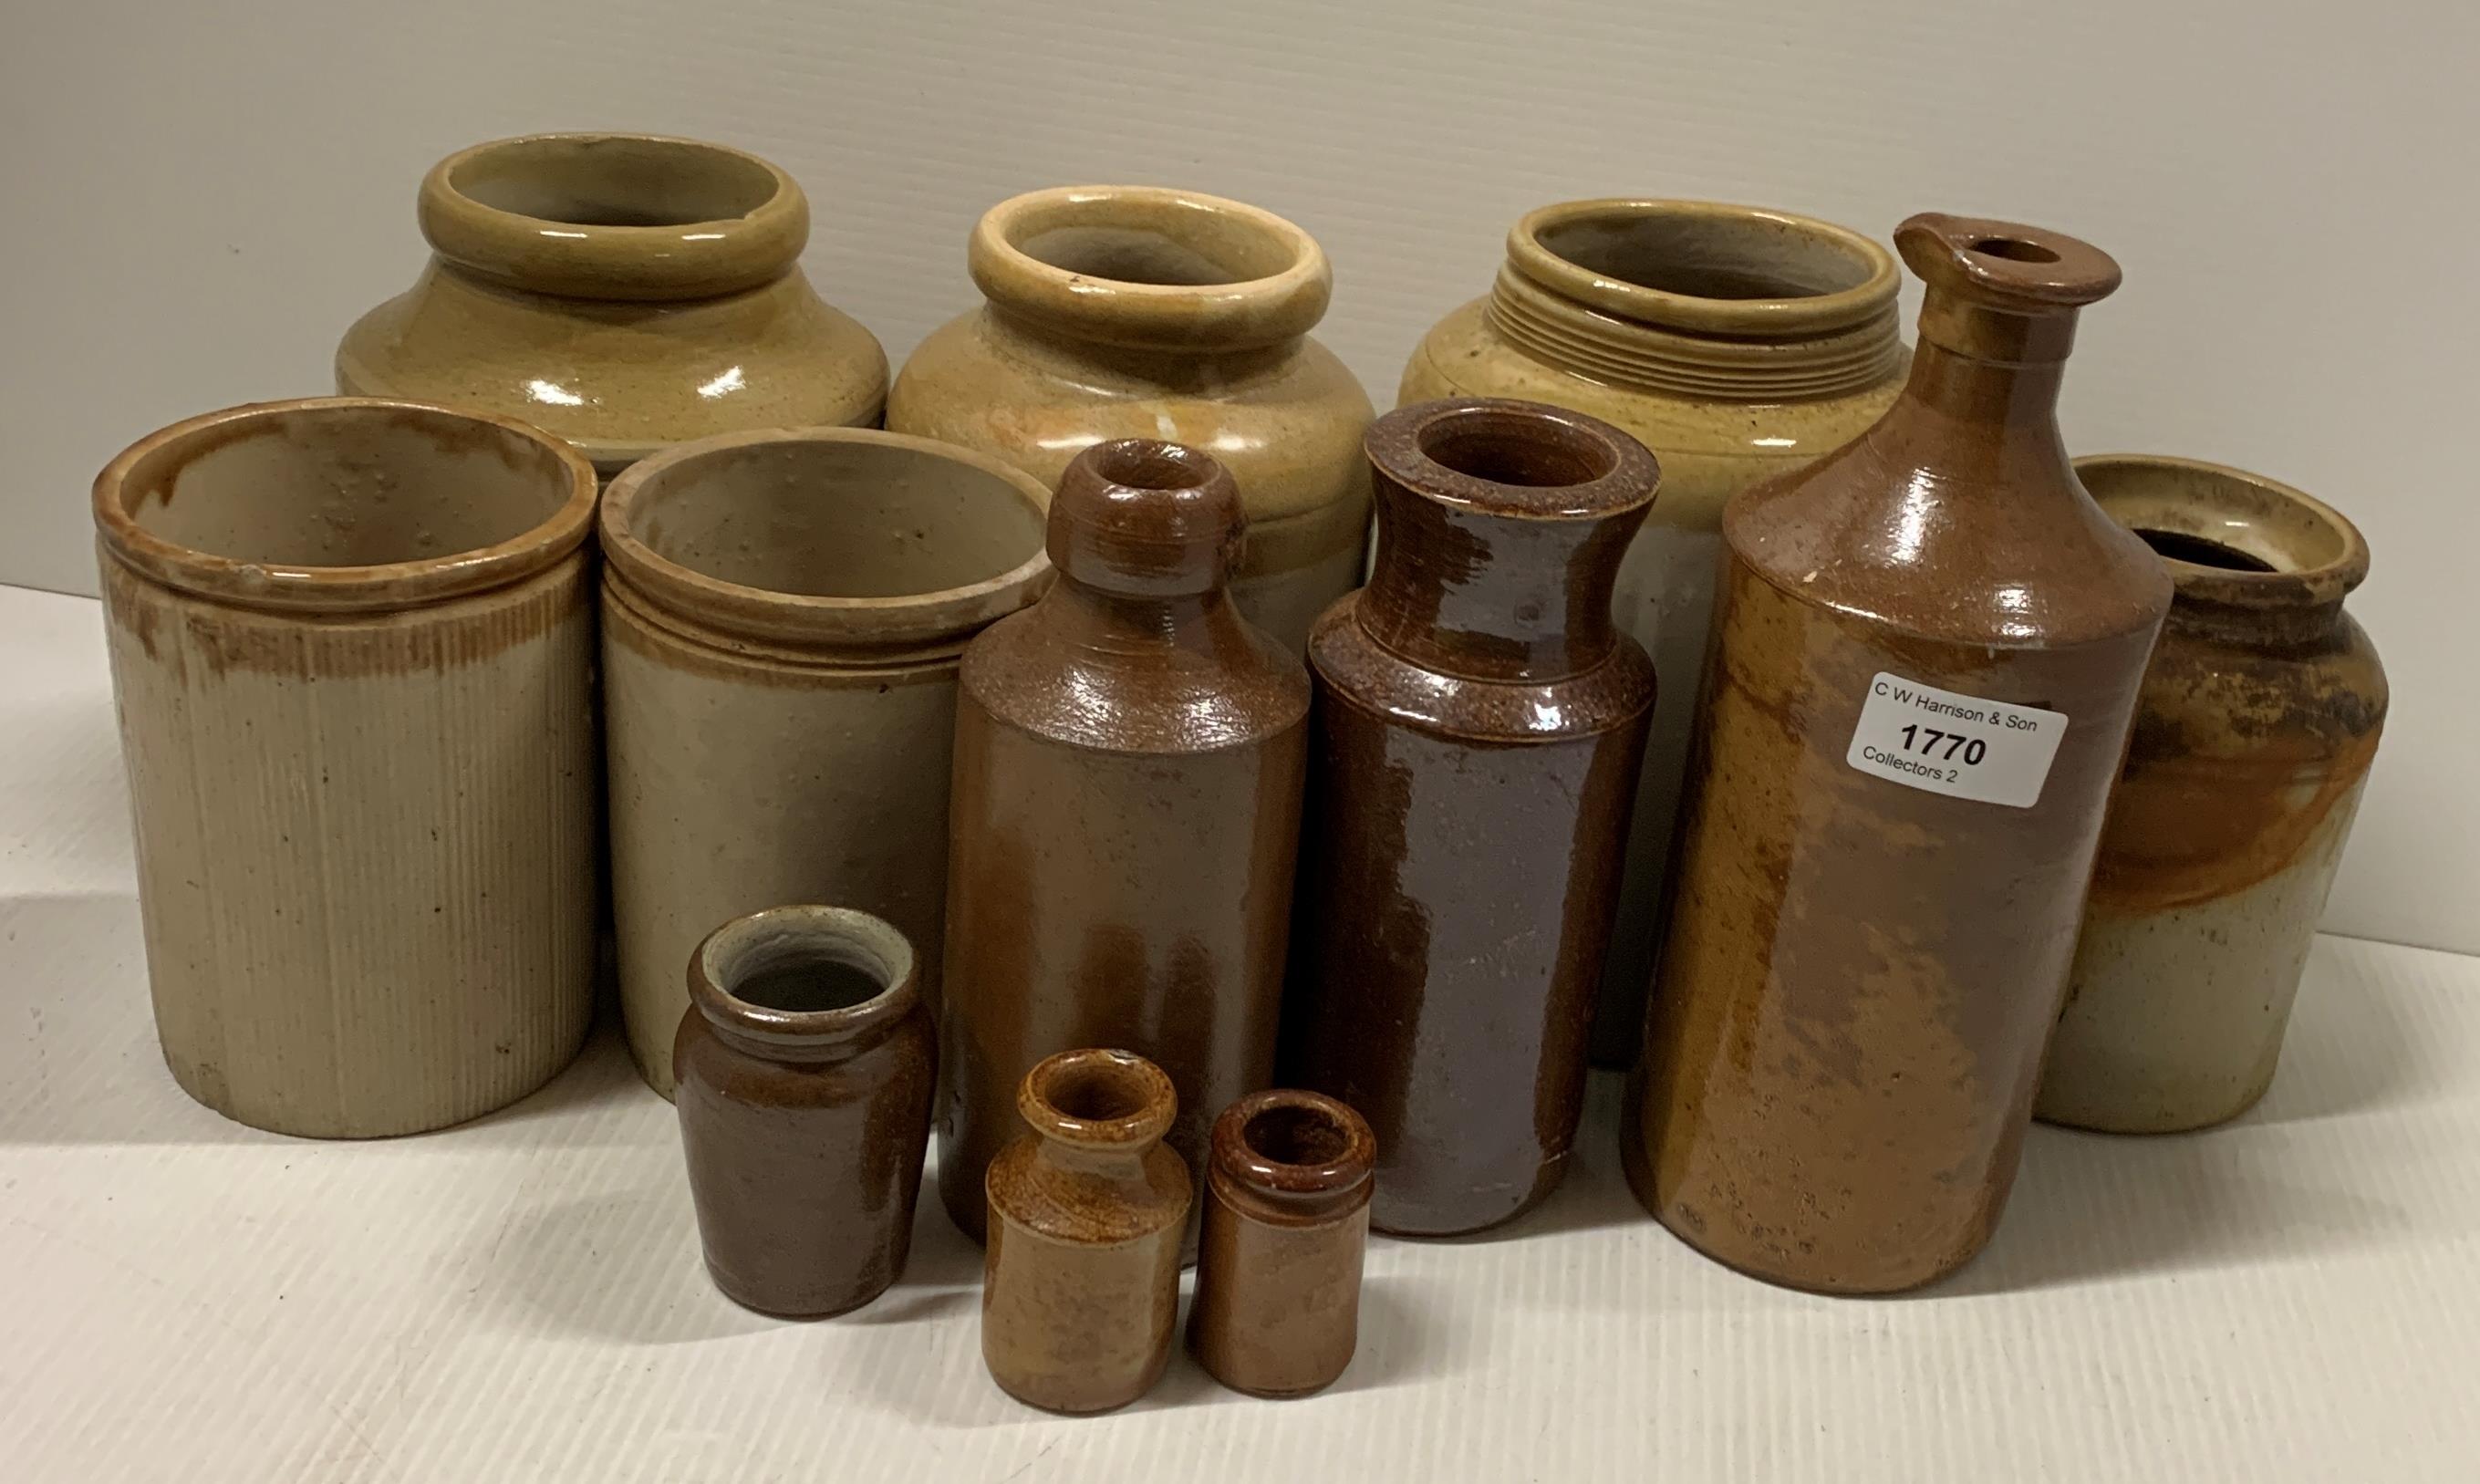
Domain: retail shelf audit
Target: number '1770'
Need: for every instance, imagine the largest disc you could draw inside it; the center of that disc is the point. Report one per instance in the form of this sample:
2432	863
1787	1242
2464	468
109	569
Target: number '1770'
1926	741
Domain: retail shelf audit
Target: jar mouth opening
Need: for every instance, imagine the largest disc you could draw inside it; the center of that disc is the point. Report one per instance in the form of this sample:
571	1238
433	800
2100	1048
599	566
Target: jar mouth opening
1098	1098
614	180
1706	264
2229	536
799	973
332	503
1513	458
1294	1141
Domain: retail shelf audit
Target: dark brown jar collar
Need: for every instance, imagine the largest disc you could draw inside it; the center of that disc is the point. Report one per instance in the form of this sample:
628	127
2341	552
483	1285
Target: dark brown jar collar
738	981
1293	1154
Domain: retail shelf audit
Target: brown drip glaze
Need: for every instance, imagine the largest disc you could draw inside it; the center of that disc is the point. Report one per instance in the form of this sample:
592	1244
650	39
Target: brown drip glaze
1479	727
1861	976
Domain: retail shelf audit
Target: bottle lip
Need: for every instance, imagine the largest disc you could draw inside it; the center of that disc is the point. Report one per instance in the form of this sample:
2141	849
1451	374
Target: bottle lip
2313	555
1098	1098
802	934
629	514
1261	1141
152	468
1062	258
1856	278
1145	518
1520	460
621	217
2008	267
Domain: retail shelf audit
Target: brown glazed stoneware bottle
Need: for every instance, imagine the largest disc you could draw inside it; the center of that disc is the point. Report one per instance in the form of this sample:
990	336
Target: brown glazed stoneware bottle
802	1077
1479	726
1928	651
2259	719
1125	816
1080	1278
1278	1306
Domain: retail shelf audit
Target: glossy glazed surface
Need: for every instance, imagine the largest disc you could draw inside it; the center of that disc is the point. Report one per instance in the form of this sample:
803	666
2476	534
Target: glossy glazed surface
1286	1223
783	618
624	291
1735	342
1126	813
804	1070
1862	975
1133	312
1478	730
2259	716
1080	1277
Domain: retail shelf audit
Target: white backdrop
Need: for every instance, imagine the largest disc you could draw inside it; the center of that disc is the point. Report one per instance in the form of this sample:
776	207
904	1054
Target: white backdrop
195	199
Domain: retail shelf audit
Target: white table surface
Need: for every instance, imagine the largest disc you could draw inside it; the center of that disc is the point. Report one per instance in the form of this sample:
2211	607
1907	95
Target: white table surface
2296	1296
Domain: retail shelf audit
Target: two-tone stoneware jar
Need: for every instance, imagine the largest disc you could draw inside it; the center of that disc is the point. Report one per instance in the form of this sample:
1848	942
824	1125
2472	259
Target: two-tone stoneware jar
1132	312
1736	343
625	292
2254	733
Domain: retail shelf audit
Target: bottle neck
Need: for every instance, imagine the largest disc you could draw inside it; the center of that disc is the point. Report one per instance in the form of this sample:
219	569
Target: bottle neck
1489	596
1988	384
1095	1162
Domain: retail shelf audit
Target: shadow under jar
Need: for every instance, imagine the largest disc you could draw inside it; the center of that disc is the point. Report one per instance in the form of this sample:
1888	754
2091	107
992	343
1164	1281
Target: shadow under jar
2259	719
783	618
804	1073
1474	746
351	647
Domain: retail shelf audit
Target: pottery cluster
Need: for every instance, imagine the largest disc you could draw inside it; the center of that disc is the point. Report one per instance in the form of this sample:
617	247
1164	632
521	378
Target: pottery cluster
1062	773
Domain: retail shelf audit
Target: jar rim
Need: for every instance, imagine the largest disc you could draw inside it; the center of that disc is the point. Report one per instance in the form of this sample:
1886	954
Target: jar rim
1098	1098
787	934
1870	295
747	230
154	462
1411	447
2312	554
1238	1153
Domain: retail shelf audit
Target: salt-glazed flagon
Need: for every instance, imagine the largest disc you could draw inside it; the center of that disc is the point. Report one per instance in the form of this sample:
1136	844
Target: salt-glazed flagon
1736	341
626	292
351	644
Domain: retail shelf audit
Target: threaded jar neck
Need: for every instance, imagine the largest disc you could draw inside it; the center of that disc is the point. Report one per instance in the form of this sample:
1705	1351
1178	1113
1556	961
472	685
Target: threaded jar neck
1699	298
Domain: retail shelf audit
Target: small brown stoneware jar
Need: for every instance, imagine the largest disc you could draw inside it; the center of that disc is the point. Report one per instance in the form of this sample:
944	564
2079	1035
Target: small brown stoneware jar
1125	815
2259	719
1080	1278
1928	651
1278	1306
803	1071
1478	729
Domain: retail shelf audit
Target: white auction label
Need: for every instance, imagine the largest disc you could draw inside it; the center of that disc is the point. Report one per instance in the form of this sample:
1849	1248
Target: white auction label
1960	746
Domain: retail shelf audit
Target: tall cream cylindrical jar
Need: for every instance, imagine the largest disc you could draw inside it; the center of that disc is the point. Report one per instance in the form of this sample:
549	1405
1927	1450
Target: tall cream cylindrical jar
783	615
626	292
1735	342
1133	312
349	644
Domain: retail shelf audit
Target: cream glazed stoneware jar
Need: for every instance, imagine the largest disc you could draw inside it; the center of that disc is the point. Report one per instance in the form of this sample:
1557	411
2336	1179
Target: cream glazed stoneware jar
783	617
626	292
349	644
1736	343
1134	312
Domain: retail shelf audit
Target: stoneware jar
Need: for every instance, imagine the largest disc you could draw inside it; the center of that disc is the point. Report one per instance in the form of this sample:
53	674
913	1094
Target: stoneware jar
783	617
1927	660
1736	343
1080	1278
1126	811
622	291
351	642
1124	311
1478	727
2259	718
804	1066
1277	1308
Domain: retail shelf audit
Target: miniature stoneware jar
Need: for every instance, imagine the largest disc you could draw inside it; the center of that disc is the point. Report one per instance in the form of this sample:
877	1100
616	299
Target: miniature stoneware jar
804	1066
783	617
1080	1277
1929	650
1478	728
1126	811
1287	1224
2259	718
623	291
1124	311
350	643
1735	342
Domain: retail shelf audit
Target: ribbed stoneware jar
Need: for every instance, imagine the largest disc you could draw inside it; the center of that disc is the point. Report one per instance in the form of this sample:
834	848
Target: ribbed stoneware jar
783	618
350	645
1134	312
626	292
1735	342
2259	716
